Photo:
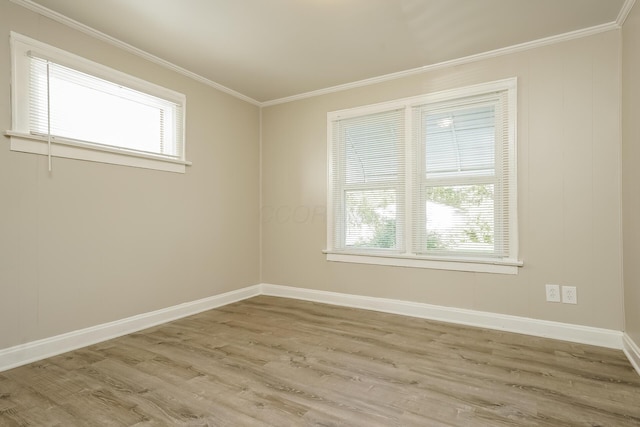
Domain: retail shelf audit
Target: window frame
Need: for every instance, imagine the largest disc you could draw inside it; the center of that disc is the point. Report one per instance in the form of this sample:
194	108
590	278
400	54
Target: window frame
23	140
397	186
423	182
406	257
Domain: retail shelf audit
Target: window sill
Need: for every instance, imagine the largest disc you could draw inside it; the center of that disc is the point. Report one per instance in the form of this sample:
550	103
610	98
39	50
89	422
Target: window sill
462	264
70	149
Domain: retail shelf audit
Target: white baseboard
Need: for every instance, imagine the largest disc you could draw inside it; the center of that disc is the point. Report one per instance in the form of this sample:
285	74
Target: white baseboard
37	350
632	350
522	325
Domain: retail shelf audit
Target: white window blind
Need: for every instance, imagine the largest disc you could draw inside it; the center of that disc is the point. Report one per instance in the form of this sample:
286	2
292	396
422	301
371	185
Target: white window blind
461	203
369	181
85	108
67	106
426	178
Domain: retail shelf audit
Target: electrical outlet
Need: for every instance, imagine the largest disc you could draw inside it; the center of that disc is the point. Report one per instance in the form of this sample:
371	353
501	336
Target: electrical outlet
553	293
569	295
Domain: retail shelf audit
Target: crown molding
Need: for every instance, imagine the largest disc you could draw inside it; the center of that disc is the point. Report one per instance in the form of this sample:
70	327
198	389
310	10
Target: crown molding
585	32
617	24
624	12
62	19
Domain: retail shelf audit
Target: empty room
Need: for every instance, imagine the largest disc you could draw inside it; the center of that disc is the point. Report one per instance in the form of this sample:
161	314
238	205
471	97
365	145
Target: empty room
320	213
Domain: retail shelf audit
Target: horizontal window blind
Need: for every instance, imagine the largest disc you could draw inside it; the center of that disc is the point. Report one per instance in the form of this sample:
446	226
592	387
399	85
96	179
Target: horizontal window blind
459	207
77	106
368	181
428	181
460	142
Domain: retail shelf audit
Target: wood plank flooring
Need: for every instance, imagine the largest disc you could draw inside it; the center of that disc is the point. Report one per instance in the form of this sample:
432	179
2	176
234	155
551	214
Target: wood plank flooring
278	362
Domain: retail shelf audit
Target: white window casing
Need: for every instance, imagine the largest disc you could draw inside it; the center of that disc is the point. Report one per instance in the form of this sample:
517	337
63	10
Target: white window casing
66	106
427	181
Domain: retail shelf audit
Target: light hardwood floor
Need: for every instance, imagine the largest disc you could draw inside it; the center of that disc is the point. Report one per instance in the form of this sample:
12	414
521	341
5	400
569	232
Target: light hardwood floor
281	362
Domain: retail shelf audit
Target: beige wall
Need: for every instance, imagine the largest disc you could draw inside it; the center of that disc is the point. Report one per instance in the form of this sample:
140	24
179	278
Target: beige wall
81	246
631	171
569	189
92	243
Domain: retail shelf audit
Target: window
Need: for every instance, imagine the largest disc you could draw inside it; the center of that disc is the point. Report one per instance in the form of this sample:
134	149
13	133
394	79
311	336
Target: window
68	106
369	161
428	181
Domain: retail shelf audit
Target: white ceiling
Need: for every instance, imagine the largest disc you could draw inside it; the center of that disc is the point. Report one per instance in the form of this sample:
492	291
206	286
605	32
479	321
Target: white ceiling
272	49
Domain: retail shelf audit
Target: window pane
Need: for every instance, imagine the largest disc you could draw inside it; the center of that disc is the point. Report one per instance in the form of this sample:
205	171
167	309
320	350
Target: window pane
460	219
371	218
373	147
460	142
86	108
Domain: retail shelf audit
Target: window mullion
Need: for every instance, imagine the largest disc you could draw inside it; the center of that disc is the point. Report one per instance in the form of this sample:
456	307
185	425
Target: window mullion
470	180
408	182
371	186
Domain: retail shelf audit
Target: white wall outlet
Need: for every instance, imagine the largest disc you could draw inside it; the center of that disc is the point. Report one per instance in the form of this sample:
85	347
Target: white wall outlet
569	295
553	293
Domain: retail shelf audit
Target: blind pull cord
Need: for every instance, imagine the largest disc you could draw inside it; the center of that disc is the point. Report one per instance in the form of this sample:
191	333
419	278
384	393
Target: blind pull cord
49	116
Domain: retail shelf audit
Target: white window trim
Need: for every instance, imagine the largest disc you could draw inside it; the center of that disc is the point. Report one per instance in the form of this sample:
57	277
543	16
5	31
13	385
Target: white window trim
21	140
435	263
70	149
407	259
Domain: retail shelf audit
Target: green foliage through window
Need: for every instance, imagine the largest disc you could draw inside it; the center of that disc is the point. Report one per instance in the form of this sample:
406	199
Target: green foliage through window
371	218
